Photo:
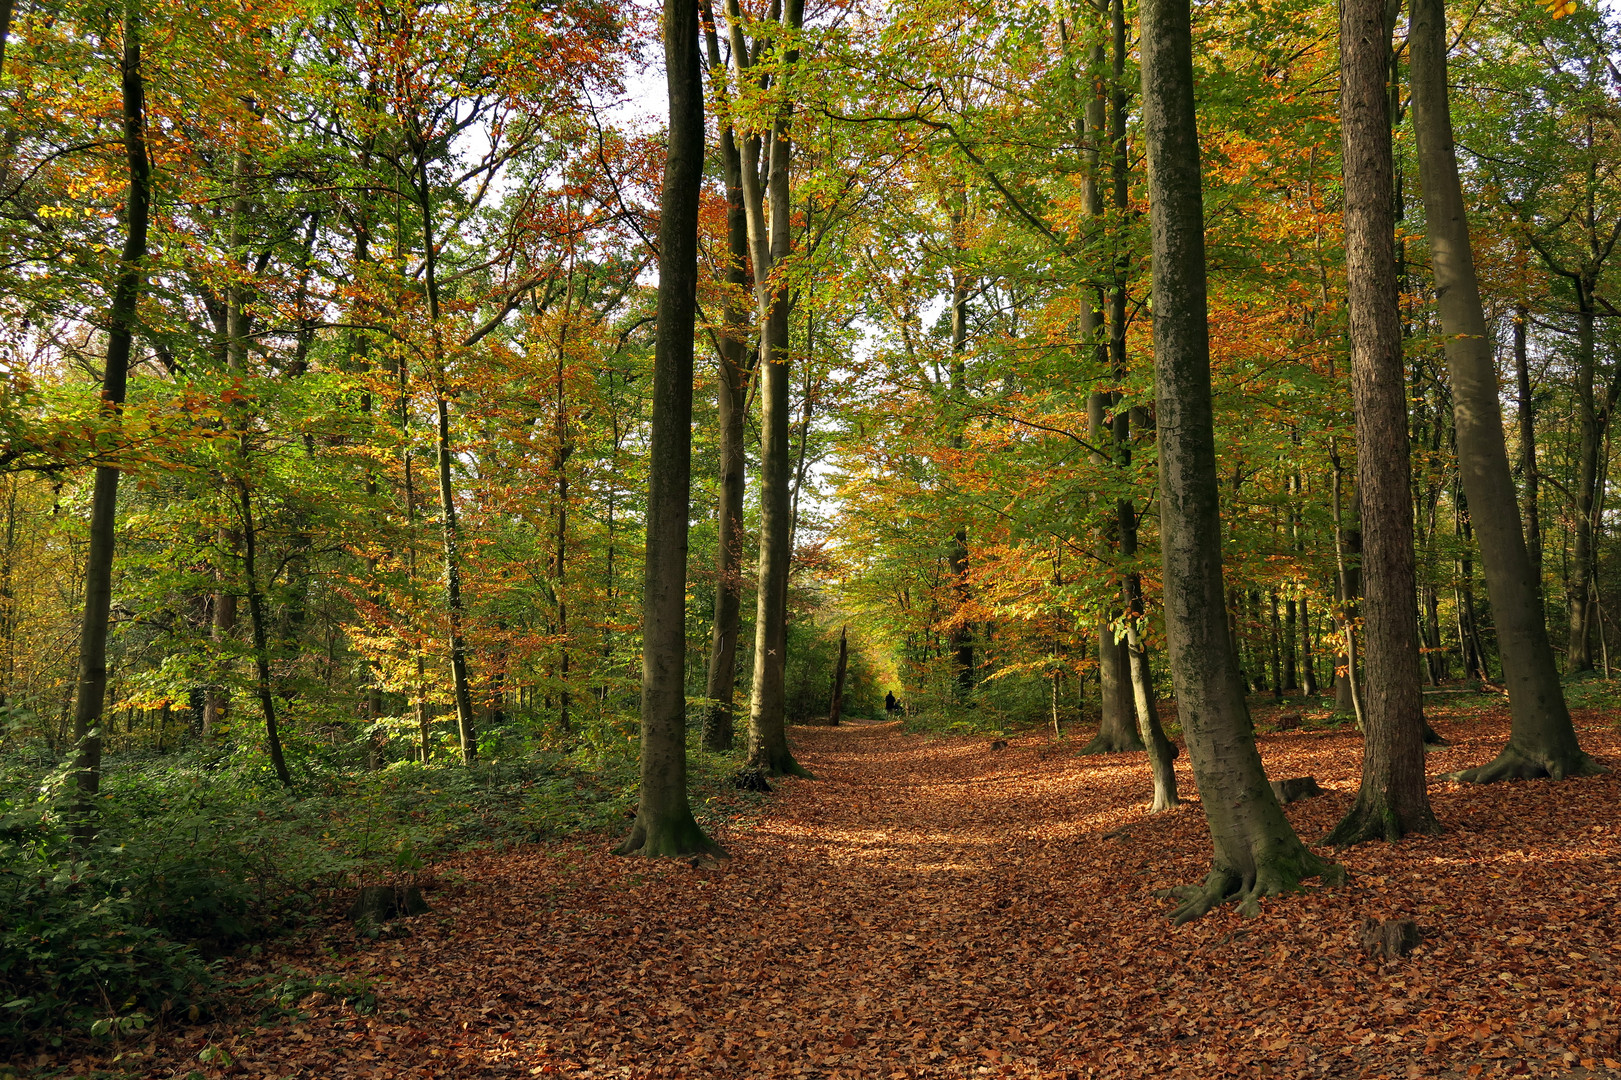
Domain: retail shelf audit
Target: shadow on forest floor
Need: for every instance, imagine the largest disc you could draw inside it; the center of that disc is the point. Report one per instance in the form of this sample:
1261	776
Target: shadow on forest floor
933	907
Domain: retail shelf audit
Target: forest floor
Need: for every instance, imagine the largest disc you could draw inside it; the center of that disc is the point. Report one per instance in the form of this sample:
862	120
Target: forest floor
933	907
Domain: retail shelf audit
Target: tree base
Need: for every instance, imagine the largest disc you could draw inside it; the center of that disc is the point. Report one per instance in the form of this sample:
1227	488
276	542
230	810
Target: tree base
677	834
1112	743
717	729
1164	800
780	763
1433	737
1274	879
1517	764
1390	939
1375	819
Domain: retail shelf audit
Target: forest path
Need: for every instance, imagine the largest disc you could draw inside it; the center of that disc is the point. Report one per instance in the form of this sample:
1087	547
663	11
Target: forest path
930	907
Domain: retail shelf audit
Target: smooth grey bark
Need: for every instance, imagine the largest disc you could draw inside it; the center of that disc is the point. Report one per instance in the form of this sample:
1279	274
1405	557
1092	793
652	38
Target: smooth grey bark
664	823
768	735
1256	852
122	321
1117	732
1542	741
733	374
1161	751
1392	799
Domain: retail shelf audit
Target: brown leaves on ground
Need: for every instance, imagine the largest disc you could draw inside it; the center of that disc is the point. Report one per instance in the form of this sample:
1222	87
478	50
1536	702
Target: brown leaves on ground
929	908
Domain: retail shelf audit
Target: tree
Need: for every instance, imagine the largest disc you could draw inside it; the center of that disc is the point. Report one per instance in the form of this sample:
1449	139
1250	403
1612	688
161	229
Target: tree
1257	853
1542	741
733	376
770	244
664	823
1392	799
121	326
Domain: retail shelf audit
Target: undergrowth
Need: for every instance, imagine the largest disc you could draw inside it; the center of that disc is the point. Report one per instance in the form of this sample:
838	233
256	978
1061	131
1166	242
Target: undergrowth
199	852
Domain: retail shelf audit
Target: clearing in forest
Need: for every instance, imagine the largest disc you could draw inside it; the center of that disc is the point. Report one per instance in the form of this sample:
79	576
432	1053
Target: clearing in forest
936	907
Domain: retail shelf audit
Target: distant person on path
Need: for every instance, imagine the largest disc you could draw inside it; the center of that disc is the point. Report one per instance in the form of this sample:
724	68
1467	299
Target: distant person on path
891	706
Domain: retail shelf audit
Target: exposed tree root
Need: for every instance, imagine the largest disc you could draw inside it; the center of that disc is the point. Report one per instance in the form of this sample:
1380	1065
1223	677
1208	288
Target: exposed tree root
1515	763
780	762
1118	742
675	834
1226	885
1433	737
1375	819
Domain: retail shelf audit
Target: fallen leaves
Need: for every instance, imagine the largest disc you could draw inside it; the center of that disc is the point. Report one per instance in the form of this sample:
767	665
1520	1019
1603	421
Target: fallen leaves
927	909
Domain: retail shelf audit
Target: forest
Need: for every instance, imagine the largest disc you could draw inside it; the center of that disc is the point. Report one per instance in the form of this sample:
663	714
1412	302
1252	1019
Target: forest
745	537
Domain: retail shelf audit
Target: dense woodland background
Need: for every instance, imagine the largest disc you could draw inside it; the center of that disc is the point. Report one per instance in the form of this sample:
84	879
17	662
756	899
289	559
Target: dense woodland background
386	433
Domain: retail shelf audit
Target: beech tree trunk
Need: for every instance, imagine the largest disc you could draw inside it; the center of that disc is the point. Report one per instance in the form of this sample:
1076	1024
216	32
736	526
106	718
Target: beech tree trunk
1392	799
261	644
664	823
1579	581
962	632
450	534
98	571
768	735
836	710
1530	481
1256	852
1117	730
1542	741
732	377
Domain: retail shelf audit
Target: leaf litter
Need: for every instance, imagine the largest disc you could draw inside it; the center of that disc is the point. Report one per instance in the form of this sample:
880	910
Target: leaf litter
931	907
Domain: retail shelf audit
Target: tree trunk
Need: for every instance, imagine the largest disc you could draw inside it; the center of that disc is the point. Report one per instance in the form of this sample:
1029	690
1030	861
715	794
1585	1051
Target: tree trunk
1542	741
451	534
1276	645
1291	675
1348	559
962	631
1308	685
261	645
836	710
731	391
1117	732
1578	583
98	571
6	7
1256	852
1392	799
1161	751
1528	447
664	823
768	736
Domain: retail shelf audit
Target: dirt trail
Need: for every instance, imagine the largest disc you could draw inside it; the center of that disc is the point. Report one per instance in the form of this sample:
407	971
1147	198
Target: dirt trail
933	907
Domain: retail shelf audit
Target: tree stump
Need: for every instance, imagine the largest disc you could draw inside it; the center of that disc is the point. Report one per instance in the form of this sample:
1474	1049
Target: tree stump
1295	789
999	744
377	904
752	779
1288	721
1389	939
